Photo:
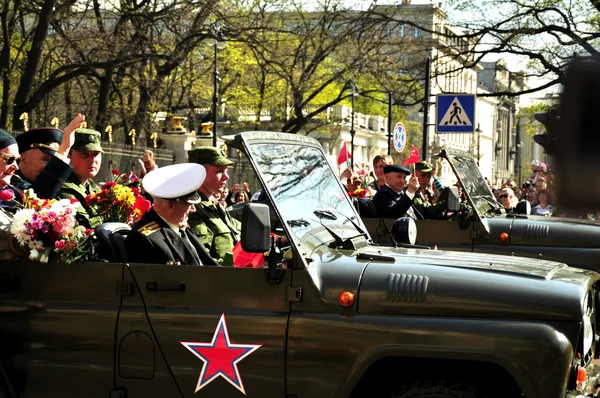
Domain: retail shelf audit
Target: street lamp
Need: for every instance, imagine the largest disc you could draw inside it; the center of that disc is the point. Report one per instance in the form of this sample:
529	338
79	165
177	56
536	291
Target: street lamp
355	92
217	40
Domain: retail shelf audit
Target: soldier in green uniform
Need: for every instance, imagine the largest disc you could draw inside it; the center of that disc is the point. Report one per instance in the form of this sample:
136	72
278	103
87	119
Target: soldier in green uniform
44	164
423	198
215	227
86	158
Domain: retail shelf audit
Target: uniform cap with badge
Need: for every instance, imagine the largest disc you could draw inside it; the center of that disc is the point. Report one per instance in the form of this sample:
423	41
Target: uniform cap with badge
390	168
87	140
46	139
209	155
178	182
424	167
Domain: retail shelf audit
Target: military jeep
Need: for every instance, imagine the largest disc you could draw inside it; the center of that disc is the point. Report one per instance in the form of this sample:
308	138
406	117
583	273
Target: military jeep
483	226
332	315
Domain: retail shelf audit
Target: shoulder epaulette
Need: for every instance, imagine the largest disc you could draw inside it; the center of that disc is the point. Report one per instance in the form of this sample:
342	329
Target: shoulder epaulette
149	228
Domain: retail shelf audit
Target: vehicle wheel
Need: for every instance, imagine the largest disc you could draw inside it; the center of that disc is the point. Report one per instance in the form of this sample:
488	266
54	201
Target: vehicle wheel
439	389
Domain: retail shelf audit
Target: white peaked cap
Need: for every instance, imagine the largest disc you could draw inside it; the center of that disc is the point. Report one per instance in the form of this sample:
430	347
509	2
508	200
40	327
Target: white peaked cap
176	182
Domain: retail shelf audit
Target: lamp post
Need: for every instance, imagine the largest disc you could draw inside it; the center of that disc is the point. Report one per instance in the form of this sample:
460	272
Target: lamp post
217	40
426	103
351	85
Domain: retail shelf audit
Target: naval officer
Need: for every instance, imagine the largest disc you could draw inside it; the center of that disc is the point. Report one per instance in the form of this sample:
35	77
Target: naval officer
162	236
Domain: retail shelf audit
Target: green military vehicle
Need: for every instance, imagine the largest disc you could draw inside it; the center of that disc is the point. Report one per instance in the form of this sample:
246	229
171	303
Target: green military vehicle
483	226
333	315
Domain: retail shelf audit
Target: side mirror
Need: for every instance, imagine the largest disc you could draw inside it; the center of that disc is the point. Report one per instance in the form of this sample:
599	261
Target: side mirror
523	207
256	228
404	231
453	200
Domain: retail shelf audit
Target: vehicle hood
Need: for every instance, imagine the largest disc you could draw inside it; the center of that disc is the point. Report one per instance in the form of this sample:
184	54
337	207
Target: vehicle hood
546	231
443	283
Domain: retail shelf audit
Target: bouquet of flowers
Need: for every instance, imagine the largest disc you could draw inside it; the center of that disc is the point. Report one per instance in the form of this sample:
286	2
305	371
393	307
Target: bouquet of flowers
124	179
363	173
47	228
118	203
359	193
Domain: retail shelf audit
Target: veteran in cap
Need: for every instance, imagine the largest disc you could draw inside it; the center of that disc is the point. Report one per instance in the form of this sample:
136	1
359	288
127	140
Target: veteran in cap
86	159
211	222
44	164
162	236
393	200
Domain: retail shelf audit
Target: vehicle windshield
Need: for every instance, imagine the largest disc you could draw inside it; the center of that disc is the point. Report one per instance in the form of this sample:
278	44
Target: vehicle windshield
473	183
306	191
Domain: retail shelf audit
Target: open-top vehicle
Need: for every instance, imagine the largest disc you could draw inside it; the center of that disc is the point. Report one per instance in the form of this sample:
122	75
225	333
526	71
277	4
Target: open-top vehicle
333	315
483	226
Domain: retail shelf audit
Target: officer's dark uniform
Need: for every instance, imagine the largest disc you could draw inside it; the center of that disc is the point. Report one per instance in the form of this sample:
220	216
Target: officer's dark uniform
152	239
86	140
389	203
47	184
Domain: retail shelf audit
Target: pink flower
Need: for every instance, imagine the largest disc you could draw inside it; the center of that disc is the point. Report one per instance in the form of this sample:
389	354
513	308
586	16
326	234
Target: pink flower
6	195
60	245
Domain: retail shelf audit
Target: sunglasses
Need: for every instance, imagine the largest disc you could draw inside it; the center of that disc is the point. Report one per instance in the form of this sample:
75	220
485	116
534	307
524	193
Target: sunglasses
9	159
504	195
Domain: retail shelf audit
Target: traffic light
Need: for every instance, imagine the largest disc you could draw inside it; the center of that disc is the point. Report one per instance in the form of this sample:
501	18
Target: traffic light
551	120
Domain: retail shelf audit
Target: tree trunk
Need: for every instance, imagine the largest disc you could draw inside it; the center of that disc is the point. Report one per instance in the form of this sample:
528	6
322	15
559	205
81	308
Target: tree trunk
33	61
103	98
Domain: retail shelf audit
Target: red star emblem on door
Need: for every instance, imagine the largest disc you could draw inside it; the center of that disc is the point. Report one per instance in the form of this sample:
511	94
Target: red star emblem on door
220	357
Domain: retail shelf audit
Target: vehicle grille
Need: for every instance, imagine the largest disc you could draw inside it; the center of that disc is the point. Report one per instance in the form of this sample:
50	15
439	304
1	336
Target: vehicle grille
536	231
406	288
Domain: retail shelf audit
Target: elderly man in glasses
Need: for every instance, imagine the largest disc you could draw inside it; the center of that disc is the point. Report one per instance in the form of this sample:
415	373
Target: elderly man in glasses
44	164
9	154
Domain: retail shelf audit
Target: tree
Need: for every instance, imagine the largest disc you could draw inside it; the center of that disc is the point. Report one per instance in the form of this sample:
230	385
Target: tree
547	34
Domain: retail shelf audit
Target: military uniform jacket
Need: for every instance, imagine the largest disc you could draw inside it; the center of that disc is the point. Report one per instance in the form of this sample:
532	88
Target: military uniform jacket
390	204
73	188
217	230
47	183
426	209
153	241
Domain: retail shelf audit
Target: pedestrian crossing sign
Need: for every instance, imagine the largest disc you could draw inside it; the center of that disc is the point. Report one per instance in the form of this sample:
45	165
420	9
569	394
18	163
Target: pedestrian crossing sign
455	113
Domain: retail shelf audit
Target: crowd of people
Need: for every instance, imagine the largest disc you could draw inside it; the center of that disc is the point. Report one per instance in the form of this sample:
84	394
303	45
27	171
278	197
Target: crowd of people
187	224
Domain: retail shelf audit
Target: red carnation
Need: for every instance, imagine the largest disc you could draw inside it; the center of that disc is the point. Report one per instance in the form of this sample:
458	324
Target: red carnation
109	185
116	172
6	195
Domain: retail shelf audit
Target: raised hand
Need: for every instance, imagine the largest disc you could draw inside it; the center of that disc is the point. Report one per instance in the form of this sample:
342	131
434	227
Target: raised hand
69	135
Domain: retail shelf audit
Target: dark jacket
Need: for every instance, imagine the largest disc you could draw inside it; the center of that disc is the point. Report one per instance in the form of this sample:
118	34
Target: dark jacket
47	183
153	241
390	204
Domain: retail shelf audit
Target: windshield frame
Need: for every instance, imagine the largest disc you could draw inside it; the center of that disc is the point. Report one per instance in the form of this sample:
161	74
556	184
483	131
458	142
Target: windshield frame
245	141
482	206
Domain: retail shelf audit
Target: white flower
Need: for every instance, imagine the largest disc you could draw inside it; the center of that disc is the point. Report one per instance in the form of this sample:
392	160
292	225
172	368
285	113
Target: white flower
44	258
33	254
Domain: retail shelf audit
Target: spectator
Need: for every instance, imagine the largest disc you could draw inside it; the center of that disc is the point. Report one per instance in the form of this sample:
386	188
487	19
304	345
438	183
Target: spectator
508	199
531	196
147	163
241	197
544	208
379	162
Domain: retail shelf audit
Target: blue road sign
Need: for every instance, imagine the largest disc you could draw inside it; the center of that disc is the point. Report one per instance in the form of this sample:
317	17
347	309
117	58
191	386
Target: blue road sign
455	113
399	137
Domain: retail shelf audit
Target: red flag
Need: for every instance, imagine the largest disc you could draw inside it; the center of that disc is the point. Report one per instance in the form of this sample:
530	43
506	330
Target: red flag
414	156
344	155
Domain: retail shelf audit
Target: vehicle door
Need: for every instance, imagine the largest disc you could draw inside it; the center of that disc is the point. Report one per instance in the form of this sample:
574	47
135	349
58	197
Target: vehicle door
221	330
57	325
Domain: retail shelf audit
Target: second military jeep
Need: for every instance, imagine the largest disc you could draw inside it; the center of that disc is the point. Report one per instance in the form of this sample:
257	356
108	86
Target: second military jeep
332	315
483	226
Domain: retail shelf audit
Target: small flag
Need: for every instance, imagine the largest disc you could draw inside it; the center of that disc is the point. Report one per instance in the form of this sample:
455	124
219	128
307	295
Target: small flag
414	156
344	155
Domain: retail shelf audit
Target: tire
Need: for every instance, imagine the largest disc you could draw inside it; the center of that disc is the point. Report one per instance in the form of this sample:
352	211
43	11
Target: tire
438	389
